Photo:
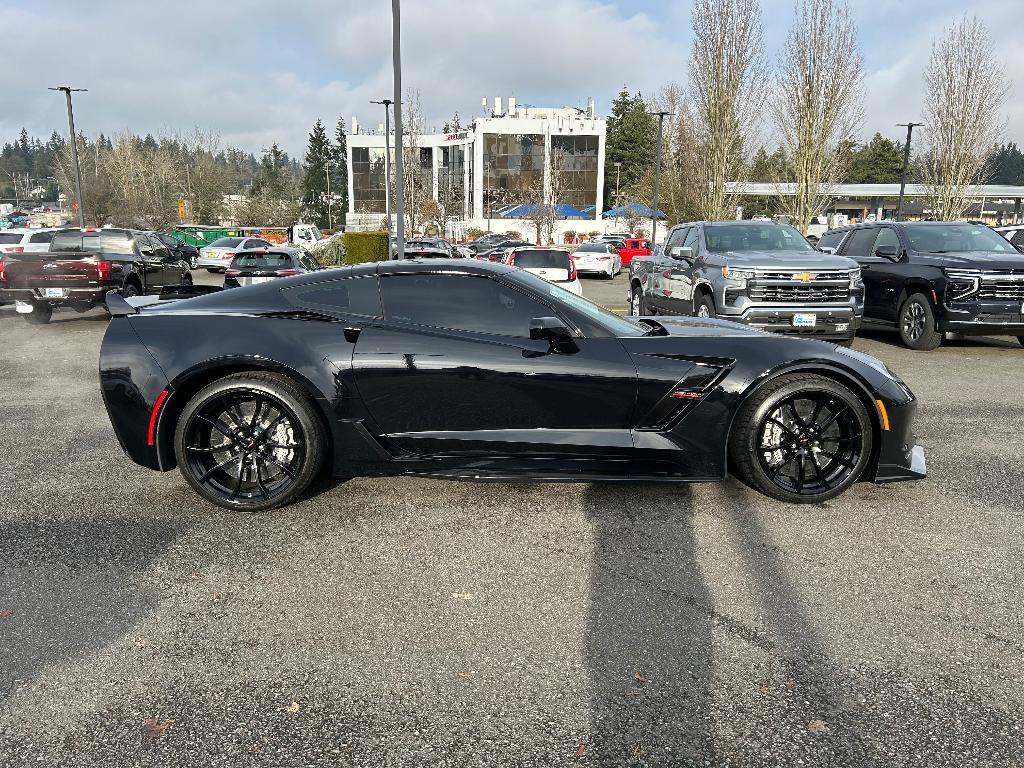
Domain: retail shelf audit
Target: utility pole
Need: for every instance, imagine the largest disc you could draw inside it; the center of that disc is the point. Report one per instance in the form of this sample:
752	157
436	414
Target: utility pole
387	164
74	150
396	53
618	173
906	164
327	175
657	177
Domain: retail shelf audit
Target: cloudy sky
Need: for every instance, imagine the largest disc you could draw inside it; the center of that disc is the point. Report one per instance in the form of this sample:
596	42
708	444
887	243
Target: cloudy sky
257	71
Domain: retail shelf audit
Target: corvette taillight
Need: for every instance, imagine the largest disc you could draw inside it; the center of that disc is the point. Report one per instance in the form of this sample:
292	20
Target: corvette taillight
286	272
103	271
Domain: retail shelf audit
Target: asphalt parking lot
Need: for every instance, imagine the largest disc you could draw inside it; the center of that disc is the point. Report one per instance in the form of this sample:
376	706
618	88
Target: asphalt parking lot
425	622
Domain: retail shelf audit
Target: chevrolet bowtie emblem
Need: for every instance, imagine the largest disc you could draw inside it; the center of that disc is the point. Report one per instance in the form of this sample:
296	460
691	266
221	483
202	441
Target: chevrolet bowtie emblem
804	277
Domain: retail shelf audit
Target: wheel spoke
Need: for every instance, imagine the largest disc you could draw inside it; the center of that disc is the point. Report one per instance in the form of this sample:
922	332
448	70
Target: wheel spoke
800	473
273	423
242	467
211	449
284	467
780	425
838	460
259	479
216	425
796	416
817	472
832	417
254	422
778	470
211	470
813	420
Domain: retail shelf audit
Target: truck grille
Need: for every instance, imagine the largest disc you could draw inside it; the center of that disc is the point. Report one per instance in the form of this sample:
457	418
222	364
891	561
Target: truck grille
1002	286
784	286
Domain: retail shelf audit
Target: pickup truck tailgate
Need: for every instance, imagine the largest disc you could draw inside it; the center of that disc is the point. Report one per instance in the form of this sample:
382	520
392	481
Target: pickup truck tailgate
51	270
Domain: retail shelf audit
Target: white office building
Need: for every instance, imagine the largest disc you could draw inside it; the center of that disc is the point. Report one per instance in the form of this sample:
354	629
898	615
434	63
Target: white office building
488	169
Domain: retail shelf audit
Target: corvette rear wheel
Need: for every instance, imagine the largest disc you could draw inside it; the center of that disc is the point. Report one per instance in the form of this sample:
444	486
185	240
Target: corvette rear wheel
250	442
802	438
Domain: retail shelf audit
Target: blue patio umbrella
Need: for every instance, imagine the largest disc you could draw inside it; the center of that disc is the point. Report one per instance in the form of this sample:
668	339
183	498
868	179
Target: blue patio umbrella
563	210
633	209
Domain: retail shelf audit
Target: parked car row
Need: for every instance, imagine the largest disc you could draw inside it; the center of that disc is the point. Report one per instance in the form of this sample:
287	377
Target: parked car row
922	279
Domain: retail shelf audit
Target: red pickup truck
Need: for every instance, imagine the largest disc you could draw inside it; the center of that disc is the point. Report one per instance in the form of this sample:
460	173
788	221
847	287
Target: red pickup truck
83	265
634	246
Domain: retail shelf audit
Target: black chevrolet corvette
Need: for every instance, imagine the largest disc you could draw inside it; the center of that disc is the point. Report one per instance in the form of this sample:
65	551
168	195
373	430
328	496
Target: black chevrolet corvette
473	370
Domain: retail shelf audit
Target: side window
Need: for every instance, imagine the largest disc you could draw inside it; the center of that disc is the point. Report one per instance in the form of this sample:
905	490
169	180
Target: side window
41	237
692	236
676	239
460	302
145	246
886	236
830	239
350	296
860	242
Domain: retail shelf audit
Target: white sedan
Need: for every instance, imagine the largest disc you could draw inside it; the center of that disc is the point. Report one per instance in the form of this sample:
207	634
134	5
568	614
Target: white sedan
598	258
217	256
25	240
553	264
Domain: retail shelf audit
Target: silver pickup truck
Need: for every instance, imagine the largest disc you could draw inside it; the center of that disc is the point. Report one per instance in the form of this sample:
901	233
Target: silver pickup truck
759	273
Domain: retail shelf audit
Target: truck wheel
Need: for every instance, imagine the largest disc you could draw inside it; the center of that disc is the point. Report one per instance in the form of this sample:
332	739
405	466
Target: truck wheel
40	314
250	442
636	302
801	438
129	289
186	278
193	262
705	307
917	324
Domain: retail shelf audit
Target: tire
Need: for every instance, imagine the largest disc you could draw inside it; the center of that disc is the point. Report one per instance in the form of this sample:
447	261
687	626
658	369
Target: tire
193	262
40	314
788	426
129	289
705	307
1020	340
917	324
186	278
636	302
211	270
263	417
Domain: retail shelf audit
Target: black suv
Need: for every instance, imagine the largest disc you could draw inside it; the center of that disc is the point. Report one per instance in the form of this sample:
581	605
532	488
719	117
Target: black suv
929	278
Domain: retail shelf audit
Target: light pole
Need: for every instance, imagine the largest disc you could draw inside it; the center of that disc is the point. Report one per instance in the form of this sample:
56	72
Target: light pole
387	164
327	175
618	174
657	176
906	164
74	151
396	63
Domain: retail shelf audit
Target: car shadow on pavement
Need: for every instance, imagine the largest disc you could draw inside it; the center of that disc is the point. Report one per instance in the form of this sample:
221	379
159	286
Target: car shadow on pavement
651	642
70	587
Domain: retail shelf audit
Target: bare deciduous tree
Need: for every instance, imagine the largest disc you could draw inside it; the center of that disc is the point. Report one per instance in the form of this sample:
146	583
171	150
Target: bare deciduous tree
726	95
965	89
677	194
819	105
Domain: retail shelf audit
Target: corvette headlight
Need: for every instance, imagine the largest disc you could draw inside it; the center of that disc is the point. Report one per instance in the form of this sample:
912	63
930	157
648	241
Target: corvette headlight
961	283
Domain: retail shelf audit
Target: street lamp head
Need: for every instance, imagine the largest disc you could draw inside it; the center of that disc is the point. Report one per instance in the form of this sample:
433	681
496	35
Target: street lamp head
385	102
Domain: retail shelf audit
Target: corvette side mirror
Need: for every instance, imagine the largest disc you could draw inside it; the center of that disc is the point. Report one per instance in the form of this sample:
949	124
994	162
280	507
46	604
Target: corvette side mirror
549	329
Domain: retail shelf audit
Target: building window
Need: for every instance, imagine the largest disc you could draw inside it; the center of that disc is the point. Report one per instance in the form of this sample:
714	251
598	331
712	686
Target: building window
574	169
368	187
451	178
513	172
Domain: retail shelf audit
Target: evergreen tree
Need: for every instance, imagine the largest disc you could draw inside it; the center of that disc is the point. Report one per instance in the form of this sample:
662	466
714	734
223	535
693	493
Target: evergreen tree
880	161
339	172
630	140
1006	165
314	177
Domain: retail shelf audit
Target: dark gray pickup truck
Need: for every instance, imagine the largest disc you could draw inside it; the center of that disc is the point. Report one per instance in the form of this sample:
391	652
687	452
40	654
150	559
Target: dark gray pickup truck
759	273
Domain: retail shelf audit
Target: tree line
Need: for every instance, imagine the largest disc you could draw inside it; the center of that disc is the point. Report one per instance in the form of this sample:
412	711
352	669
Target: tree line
811	102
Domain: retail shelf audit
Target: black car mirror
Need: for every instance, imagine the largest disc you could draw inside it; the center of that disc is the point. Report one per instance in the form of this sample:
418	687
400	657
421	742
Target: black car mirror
549	329
888	251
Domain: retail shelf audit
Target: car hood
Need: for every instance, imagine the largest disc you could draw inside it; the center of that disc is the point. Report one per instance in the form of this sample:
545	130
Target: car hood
783	259
972	260
704	326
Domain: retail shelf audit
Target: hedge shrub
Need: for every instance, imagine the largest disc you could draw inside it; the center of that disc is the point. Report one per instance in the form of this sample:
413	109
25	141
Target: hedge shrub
361	247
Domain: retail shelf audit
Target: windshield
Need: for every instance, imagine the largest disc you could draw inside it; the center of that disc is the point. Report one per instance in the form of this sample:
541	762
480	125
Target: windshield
593	247
226	242
10	237
754	237
542	259
956	238
262	261
615	325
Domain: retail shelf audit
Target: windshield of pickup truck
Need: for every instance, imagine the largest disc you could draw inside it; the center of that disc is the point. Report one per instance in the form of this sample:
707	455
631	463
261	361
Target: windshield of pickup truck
104	240
956	238
754	237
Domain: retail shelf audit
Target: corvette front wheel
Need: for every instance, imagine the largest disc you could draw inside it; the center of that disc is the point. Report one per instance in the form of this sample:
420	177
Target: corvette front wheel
802	438
250	442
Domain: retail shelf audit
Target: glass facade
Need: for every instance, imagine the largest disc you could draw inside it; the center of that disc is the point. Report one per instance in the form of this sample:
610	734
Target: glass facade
513	171
451	174
574	159
368	187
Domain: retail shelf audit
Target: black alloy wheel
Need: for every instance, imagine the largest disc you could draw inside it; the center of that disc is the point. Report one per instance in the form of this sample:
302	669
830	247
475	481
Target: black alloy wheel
705	307
193	262
636	302
917	324
802	438
250	442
